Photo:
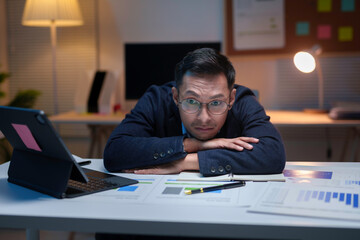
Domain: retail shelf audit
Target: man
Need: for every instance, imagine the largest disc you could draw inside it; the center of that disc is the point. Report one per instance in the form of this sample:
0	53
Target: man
202	122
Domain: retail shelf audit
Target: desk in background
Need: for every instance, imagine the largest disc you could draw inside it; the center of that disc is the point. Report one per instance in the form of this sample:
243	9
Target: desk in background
165	215
102	125
304	119
301	119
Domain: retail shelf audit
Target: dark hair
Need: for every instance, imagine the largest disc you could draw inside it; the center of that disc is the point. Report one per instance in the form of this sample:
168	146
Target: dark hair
204	61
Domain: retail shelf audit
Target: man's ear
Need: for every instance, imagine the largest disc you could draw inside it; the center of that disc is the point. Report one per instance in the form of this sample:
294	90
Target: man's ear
175	95
232	97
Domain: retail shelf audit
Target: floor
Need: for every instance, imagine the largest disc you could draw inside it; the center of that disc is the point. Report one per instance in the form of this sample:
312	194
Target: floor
14	234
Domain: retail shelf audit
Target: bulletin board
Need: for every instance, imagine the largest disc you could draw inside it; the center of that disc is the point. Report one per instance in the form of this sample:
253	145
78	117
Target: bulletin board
294	25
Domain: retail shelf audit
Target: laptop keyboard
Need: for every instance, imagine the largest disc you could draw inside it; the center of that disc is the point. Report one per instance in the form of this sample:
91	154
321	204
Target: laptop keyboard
98	181
94	184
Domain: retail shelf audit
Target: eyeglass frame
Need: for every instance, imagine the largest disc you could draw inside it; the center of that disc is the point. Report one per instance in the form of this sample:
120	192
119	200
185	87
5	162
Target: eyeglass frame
228	106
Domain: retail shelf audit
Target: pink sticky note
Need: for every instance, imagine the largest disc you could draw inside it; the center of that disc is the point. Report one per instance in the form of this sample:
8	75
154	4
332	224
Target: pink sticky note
26	136
324	32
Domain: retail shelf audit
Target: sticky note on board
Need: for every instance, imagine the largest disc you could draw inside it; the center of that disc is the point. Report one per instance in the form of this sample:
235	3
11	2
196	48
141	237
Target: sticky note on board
324	5
302	28
26	136
346	34
348	5
324	32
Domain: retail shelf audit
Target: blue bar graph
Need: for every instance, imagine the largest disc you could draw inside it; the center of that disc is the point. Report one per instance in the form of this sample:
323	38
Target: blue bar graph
352	182
307	195
300	196
328	196
315	193
349	199
356	201
342	197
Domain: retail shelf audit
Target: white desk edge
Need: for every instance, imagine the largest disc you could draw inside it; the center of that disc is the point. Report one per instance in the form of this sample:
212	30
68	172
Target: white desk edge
232	222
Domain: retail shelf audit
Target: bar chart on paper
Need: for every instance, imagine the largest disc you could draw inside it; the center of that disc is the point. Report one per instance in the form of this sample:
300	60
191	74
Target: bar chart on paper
322	197
352	182
312	201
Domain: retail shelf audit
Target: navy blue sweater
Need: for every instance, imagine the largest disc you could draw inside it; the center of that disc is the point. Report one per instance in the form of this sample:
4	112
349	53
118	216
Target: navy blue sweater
152	134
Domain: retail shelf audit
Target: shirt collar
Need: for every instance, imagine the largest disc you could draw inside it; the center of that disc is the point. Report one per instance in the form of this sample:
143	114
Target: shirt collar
184	131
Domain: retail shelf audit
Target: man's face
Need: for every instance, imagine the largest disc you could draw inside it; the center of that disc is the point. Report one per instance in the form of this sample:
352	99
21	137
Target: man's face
203	124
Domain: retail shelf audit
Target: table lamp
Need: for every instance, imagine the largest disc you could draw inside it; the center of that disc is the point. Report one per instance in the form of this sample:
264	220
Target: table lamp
52	13
306	62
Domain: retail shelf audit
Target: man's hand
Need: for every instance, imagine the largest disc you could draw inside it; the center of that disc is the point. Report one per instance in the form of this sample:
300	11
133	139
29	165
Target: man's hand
238	144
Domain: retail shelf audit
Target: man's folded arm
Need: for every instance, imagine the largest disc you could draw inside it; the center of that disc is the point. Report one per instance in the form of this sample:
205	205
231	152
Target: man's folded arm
241	155
266	157
127	152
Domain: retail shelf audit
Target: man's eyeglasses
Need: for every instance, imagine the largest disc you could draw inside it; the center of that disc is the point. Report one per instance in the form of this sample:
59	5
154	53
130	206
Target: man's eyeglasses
193	106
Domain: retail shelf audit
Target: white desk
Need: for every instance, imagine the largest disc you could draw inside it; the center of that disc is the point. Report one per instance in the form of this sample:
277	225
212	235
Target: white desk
23	208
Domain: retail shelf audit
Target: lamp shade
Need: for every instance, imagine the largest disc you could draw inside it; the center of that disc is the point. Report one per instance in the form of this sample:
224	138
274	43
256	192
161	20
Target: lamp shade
42	13
305	62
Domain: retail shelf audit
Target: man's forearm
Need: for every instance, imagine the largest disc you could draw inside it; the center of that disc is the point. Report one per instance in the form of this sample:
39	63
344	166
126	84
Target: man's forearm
191	162
128	152
192	145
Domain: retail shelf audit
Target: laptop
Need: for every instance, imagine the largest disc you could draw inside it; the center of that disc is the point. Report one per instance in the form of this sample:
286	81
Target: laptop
41	161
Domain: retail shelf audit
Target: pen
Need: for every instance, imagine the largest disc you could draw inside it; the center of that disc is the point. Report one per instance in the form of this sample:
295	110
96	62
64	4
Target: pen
214	188
84	163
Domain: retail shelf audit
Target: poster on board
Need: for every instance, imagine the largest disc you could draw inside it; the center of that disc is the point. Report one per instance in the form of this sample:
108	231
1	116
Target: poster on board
265	27
258	24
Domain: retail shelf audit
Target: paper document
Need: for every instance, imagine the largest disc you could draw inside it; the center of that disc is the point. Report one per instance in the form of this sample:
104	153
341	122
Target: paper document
310	201
195	176
165	190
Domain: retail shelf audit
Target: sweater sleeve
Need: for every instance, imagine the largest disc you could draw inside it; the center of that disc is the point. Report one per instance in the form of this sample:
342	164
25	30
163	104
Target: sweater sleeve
135	144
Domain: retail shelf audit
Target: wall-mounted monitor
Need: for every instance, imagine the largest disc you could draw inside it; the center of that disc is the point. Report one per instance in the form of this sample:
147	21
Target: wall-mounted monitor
154	63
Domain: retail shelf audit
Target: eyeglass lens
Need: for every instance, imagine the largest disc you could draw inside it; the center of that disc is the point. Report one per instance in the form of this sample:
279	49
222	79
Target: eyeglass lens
193	106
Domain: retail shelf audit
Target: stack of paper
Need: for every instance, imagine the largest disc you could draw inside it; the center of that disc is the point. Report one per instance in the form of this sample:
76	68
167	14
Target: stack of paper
195	176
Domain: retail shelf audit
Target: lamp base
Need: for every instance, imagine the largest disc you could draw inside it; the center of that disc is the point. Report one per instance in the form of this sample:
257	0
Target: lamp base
315	110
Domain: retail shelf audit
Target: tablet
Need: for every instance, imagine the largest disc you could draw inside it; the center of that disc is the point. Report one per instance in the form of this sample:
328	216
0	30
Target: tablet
42	162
